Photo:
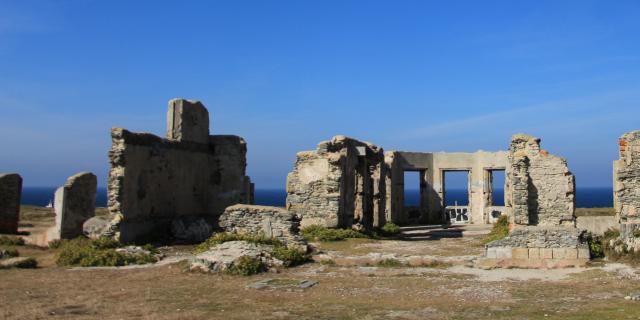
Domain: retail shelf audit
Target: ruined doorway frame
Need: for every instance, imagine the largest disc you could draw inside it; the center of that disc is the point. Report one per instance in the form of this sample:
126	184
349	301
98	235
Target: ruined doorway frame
443	176
423	203
491	211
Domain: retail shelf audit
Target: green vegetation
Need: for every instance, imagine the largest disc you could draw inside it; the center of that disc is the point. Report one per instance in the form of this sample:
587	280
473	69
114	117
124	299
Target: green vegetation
11	241
9	252
91	253
246	266
223	237
636	233
390	229
290	256
389	263
499	231
324	234
435	264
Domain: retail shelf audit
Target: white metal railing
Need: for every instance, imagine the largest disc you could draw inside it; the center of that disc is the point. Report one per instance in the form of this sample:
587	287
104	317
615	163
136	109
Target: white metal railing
457	214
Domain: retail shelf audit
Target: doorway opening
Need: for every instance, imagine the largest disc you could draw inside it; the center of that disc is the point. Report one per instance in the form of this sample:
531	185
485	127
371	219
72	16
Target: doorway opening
455	194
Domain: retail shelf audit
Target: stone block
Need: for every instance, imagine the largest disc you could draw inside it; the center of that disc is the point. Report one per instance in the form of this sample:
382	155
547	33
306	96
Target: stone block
491	253
503	253
534	253
187	121
520	253
546	253
10	193
565	253
583	253
74	204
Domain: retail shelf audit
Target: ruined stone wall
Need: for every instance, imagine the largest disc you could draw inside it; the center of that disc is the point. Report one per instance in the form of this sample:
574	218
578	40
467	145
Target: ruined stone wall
626	179
10	193
540	189
340	184
154	180
272	222
75	203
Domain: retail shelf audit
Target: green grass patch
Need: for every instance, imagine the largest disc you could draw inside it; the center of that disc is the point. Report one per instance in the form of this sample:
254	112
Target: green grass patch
246	266
389	263
290	256
499	231
8	252
96	253
390	229
324	234
11	241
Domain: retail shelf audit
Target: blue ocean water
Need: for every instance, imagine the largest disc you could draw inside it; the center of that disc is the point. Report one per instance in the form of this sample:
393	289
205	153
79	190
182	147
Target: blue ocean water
585	197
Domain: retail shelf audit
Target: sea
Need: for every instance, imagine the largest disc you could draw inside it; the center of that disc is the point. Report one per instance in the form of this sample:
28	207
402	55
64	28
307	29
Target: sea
585	197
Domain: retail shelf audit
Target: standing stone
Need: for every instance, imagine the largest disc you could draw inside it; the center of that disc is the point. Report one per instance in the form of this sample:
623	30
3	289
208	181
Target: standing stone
74	204
10	192
187	120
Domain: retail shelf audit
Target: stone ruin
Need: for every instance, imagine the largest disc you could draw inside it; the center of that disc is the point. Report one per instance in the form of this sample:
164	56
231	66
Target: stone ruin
540	188
10	193
155	181
626	190
340	184
272	222
74	204
540	194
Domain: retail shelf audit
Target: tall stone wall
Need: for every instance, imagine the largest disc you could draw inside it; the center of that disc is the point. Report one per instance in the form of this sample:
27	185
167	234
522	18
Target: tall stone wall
153	181
540	189
75	203
10	193
626	179
338	185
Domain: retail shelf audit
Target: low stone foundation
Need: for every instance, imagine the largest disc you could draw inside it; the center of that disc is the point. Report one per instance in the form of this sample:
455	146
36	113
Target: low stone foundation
273	222
537	247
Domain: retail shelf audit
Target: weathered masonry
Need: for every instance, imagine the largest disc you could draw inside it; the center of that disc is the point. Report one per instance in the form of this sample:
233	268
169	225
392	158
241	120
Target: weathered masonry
626	179
10	193
432	168
75	203
154	181
340	184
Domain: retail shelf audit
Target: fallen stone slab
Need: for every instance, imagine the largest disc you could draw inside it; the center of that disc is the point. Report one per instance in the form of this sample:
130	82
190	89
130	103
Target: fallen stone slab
225	256
282	284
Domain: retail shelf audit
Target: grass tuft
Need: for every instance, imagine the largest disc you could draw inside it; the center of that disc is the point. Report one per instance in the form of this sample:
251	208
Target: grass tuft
499	231
246	266
11	241
96	253
389	263
324	234
390	229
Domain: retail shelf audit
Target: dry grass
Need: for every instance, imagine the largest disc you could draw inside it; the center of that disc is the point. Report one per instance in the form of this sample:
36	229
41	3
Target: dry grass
589	212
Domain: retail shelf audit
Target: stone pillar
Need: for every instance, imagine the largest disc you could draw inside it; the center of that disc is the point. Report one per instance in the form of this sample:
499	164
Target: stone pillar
187	121
10	193
74	204
626	175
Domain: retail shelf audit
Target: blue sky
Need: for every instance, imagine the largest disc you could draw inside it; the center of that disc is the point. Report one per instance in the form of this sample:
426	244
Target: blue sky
406	75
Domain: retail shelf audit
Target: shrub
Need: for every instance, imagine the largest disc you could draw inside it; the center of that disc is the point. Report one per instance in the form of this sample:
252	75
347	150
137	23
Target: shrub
596	246
8	252
324	234
28	263
11	241
499	231
636	233
390	229
290	256
101	252
223	237
389	263
611	234
246	266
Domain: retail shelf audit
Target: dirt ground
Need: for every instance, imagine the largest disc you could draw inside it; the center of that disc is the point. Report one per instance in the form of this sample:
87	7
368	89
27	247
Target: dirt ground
364	291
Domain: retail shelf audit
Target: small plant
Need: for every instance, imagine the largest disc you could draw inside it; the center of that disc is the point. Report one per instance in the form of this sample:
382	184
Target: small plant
290	256
324	234
101	252
246	266
389	263
611	234
8	252
223	237
636	233
435	264
328	262
28	263
390	229
499	231
11	241
596	246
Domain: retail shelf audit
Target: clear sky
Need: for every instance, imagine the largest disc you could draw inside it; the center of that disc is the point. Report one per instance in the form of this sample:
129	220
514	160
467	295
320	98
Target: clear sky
406	75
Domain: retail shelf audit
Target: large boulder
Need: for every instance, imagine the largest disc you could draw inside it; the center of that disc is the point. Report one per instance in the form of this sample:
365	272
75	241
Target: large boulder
225	256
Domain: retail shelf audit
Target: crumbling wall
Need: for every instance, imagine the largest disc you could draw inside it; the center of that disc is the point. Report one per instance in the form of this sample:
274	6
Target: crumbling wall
75	203
272	222
10	193
626	179
153	181
540	189
340	184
